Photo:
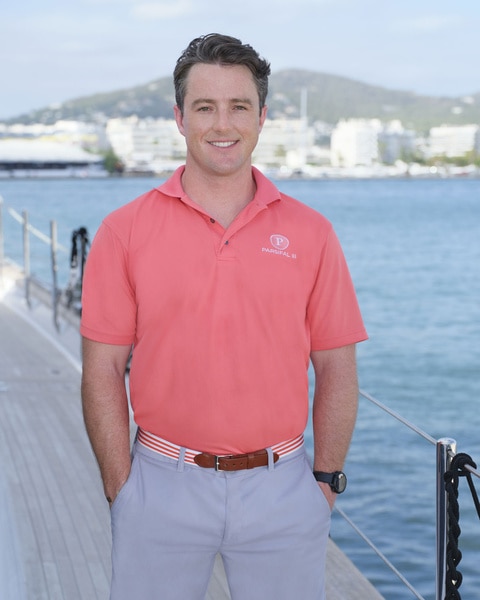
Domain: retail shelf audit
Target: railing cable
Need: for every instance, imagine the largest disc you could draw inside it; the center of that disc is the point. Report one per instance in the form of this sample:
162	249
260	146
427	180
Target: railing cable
394	414
379	553
36	232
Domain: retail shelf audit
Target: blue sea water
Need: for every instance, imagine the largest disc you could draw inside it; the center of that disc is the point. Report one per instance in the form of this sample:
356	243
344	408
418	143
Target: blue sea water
413	247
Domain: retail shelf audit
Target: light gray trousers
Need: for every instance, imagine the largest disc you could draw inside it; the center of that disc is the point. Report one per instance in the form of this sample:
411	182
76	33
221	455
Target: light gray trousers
270	524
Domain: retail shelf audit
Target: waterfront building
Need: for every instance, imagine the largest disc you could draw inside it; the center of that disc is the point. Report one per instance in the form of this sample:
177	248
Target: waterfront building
367	142
291	145
396	143
46	158
354	143
285	142
153	145
89	136
453	141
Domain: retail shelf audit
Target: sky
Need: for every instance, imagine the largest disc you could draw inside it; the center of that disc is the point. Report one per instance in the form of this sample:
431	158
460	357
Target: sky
52	51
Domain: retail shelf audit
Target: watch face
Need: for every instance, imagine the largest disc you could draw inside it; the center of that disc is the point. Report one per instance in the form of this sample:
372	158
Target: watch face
339	482
336	480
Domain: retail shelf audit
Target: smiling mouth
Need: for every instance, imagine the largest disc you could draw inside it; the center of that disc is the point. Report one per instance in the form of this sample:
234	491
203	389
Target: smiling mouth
223	144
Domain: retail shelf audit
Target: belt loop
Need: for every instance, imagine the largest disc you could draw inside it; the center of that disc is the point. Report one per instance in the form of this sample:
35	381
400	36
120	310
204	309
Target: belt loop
181	459
271	462
133	450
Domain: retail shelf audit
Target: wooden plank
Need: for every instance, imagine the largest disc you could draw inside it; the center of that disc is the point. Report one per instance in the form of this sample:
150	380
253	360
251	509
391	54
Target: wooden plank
62	520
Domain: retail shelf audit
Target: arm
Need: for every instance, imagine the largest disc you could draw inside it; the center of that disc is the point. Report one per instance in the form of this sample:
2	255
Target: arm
105	411
334	409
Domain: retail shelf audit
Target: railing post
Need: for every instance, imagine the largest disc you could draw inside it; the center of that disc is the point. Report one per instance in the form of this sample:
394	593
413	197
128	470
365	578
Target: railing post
53	254
446	449
26	257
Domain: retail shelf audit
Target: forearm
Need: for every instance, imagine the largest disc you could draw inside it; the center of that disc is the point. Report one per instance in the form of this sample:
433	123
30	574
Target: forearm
334	410
106	415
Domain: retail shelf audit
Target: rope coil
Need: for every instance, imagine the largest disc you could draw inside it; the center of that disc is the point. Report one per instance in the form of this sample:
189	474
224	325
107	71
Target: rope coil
78	256
454	556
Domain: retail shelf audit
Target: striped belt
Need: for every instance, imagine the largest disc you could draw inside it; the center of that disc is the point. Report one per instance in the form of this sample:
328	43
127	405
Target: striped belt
231	462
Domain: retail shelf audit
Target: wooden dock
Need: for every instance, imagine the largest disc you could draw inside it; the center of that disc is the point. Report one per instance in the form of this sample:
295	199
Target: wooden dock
54	521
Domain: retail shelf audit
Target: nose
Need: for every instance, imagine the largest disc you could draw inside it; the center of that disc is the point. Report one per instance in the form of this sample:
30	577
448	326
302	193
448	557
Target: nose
222	119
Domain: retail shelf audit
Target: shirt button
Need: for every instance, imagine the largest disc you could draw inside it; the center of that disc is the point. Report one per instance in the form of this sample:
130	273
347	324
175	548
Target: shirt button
212	220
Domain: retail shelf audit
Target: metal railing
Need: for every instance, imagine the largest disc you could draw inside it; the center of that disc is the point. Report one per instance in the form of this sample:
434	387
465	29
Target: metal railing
30	281
445	447
445	452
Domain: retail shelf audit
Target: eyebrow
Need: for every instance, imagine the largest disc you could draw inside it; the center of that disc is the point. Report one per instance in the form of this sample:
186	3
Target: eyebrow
232	100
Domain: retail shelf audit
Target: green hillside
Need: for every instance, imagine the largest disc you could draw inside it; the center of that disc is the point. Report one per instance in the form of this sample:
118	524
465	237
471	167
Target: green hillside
330	98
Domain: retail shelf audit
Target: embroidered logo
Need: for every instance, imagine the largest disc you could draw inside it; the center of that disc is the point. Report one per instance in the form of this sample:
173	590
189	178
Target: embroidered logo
279	243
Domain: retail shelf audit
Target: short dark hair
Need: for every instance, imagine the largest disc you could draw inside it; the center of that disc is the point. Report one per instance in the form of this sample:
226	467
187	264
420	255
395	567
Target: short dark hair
217	49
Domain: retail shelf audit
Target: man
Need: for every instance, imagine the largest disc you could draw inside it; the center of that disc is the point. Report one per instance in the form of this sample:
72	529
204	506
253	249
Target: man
225	288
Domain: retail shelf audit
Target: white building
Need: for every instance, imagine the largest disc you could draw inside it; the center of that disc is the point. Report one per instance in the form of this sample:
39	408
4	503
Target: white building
284	142
21	157
89	136
354	142
146	144
396	143
454	141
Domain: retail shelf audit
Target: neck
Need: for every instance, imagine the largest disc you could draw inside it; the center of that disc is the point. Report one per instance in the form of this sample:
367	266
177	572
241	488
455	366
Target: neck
224	197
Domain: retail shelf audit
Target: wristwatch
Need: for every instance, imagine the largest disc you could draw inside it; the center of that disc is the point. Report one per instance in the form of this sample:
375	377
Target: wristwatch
337	480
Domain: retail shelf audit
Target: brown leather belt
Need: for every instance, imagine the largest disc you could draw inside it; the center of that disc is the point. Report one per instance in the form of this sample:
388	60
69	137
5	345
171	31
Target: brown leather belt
234	462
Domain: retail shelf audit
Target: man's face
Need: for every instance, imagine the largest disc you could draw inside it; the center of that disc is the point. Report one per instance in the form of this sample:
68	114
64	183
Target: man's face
221	118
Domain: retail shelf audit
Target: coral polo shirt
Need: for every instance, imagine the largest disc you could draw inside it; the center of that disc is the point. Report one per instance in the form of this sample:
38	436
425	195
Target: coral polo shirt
222	321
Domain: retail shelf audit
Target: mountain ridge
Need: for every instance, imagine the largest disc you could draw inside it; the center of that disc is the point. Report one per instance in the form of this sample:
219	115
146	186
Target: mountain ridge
329	99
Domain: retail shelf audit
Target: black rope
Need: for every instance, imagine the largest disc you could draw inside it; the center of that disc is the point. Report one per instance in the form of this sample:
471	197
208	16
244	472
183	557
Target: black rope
454	556
78	256
81	233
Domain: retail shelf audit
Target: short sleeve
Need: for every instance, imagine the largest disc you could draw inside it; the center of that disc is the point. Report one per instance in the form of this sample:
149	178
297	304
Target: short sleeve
333	312
108	298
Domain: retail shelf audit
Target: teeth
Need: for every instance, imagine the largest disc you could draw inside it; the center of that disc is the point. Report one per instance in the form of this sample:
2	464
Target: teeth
222	144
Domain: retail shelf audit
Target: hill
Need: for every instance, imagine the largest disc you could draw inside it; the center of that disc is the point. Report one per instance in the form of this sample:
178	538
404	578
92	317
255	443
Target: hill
330	98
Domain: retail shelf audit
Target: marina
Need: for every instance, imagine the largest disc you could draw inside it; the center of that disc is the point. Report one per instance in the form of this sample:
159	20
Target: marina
398	512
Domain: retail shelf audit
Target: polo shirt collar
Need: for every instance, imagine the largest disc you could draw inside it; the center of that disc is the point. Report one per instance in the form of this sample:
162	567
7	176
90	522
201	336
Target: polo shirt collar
266	192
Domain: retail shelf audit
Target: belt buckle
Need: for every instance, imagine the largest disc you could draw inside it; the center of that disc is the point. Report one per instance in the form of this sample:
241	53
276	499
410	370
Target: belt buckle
217	461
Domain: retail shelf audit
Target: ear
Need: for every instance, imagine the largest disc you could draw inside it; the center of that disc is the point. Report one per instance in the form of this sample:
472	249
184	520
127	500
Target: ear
179	119
263	116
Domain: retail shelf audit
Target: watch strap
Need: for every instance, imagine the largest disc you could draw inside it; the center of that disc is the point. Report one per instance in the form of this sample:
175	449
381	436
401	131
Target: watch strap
323	476
336	480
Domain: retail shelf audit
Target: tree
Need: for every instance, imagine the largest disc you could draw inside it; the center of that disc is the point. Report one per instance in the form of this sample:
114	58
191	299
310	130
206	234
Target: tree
112	162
